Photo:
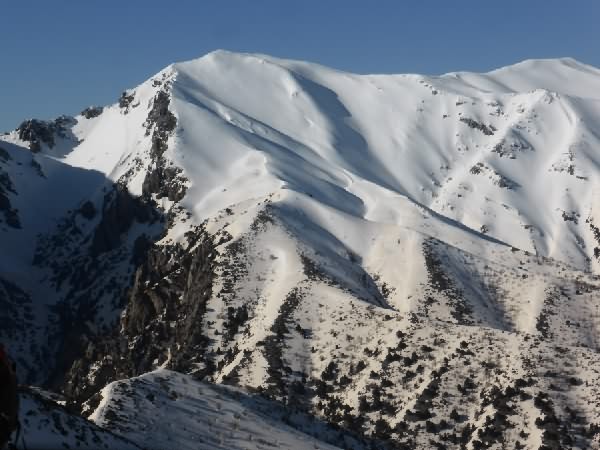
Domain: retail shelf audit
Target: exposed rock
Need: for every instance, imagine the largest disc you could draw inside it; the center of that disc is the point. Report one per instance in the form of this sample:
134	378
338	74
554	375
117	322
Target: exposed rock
160	116
38	132
92	111
119	211
126	101
165	182
444	284
171	286
477	168
161	179
485	129
35	132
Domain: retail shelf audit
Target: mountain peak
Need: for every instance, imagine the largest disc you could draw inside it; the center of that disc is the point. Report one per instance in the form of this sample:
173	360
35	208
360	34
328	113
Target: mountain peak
562	75
550	64
409	259
551	70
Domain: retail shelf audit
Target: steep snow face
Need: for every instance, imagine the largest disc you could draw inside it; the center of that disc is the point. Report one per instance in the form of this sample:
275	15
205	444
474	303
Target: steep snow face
510	154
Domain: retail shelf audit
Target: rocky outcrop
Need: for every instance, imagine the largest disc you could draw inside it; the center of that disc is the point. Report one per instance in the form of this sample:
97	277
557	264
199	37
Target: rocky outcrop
164	311
92	112
485	129
88	273
162	179
93	261
38	132
165	182
119	212
160	117
126	100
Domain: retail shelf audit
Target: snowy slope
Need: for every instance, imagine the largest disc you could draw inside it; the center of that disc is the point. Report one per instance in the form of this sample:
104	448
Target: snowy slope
48	426
365	139
412	258
201	416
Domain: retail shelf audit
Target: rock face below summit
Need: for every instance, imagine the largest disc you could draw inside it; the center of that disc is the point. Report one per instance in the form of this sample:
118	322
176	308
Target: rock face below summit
366	261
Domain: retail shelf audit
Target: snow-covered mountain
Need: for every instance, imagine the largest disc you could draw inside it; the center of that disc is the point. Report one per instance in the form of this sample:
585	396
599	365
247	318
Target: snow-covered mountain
398	261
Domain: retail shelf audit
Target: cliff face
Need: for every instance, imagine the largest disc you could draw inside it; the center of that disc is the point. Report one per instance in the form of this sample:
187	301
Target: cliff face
164	310
388	261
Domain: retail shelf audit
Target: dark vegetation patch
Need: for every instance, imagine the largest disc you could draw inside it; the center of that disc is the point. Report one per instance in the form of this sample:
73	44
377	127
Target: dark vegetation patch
273	349
440	281
596	233
488	130
555	434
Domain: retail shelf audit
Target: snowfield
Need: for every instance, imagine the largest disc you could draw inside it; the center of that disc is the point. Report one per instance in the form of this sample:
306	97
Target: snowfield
198	416
365	261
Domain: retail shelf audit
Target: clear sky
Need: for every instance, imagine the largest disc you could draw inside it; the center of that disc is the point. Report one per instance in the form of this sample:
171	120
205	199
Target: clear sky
59	56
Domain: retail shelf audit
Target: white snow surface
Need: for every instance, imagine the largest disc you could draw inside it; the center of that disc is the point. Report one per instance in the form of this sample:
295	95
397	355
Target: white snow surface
195	416
498	170
251	125
363	144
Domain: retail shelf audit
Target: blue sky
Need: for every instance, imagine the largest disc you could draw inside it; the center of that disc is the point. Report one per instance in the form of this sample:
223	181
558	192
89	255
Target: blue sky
60	56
